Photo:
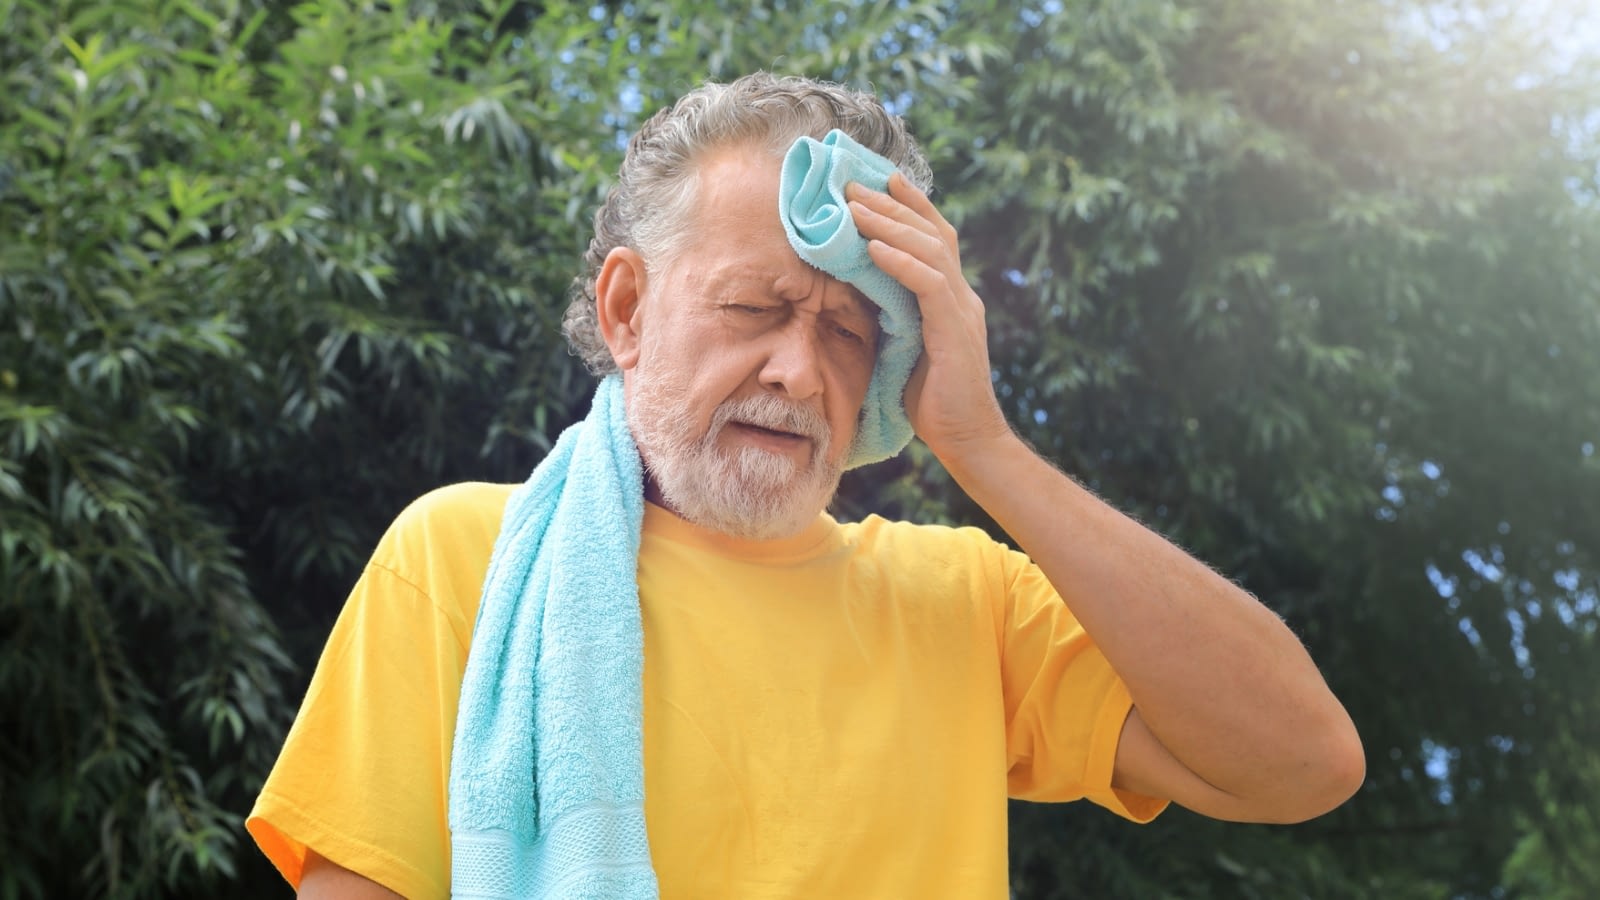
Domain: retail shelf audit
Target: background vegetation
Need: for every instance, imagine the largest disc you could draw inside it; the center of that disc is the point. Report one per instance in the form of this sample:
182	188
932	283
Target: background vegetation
1309	286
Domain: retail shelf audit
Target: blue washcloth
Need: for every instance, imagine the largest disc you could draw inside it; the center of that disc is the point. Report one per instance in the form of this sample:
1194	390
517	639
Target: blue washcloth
812	205
547	771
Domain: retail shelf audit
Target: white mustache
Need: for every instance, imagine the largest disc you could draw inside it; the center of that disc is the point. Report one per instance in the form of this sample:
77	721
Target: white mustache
773	413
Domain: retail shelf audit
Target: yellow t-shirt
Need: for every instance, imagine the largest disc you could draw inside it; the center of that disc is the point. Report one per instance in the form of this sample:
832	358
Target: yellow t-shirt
841	714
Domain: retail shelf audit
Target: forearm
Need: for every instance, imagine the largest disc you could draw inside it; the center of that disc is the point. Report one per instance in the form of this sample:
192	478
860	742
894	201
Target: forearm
1231	717
1216	677
323	878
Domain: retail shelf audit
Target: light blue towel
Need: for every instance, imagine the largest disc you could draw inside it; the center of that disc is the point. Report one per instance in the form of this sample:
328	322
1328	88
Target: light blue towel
813	208
547	771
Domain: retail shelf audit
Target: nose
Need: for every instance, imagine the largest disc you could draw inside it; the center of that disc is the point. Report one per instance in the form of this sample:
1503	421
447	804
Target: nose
794	364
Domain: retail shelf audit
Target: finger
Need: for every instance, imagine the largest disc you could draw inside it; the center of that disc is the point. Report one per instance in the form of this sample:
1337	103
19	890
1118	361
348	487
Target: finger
916	237
918	276
915	199
950	312
886	205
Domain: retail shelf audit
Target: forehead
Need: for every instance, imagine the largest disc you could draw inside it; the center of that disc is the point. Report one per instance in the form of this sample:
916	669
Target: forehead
735	211
735	230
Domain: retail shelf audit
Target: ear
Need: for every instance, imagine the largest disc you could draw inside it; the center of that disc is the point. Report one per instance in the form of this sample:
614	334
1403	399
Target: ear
617	292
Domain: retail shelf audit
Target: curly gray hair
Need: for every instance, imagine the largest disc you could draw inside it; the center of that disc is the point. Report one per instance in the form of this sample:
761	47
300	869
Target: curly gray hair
647	209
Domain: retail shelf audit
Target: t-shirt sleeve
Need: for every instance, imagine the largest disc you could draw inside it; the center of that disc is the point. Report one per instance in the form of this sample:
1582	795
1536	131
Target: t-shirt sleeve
361	779
363	774
1065	705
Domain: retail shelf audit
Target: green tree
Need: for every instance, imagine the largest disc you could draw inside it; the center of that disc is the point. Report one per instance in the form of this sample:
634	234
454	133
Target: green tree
1303	285
267	272
223	372
1558	857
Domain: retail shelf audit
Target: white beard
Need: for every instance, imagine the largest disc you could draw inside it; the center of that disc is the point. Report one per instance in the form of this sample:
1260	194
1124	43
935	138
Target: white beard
748	493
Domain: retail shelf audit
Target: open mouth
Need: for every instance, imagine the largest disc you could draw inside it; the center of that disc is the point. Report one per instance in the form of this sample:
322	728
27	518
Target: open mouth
772	431
762	432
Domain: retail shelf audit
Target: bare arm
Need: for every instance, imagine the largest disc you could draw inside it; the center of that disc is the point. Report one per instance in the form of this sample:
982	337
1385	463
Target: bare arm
1231	718
323	879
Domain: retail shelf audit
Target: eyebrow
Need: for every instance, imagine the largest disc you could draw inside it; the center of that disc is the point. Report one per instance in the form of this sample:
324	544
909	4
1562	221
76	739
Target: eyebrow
862	305
869	314
859	304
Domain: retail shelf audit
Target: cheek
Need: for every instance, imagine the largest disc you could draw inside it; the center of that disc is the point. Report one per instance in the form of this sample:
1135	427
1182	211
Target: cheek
856	375
851	385
663	359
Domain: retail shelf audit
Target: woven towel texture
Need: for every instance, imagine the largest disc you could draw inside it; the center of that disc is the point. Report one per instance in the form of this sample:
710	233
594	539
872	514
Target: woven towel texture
547	771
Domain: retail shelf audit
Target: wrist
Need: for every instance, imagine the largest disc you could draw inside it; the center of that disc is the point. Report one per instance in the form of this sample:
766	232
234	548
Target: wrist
967	457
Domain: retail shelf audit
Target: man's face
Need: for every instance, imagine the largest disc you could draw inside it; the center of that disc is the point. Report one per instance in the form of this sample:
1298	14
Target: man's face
752	365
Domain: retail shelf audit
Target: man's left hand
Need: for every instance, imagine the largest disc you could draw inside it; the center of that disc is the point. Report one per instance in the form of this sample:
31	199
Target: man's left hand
950	399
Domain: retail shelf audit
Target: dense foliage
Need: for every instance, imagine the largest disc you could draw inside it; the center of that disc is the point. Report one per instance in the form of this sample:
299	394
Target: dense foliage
1307	286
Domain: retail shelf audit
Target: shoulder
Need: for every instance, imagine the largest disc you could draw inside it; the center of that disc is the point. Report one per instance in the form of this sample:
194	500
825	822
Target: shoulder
470	505
875	534
467	501
457	523
959	556
935	574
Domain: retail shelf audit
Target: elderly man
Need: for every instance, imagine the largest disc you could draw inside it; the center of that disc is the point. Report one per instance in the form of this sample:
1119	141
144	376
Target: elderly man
766	703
